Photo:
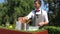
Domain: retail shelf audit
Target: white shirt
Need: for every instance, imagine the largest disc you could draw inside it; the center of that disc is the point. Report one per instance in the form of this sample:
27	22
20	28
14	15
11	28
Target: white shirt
44	13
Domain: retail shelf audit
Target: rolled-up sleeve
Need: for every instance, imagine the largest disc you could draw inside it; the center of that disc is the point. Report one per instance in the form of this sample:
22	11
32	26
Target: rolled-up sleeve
46	17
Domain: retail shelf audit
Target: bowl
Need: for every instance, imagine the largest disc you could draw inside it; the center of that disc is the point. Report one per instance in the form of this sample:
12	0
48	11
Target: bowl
33	28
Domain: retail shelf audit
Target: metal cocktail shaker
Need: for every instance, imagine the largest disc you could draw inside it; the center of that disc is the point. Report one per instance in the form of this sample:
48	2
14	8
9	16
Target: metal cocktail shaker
18	26
21	26
24	26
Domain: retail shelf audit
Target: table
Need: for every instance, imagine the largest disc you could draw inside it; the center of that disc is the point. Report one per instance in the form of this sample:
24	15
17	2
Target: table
7	31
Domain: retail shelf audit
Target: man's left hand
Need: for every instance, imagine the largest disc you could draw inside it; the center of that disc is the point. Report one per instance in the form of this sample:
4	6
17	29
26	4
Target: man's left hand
41	24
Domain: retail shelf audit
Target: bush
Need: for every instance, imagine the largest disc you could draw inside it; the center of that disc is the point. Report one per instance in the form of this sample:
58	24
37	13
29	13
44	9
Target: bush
53	29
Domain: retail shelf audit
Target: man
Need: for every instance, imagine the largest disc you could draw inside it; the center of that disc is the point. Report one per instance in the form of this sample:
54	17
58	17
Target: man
38	15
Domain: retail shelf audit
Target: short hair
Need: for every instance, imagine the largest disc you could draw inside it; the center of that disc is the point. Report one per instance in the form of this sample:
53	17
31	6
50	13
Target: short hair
39	1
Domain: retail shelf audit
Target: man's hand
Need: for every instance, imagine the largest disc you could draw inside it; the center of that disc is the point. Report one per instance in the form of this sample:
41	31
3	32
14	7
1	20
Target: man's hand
22	19
41	24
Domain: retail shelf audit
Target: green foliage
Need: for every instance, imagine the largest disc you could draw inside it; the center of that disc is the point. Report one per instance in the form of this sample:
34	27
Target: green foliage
54	17
53	29
11	9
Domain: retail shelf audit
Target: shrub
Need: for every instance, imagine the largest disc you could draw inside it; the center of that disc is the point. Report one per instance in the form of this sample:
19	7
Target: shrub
53	29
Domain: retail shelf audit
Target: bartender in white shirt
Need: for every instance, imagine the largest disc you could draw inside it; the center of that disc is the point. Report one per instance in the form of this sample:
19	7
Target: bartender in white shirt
39	16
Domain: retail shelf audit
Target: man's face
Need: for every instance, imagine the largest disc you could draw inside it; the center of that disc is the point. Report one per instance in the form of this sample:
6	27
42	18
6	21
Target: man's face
37	5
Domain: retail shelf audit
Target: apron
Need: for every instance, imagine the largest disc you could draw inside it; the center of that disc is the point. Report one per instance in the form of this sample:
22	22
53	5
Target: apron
37	18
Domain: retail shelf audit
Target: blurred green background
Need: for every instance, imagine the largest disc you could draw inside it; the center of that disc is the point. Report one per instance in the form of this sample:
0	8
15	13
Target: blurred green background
10	10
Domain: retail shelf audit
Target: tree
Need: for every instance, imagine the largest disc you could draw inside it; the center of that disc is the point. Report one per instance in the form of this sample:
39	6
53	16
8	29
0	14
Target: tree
54	16
16	8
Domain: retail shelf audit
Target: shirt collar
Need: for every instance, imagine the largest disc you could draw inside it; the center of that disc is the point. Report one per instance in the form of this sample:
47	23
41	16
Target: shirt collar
38	12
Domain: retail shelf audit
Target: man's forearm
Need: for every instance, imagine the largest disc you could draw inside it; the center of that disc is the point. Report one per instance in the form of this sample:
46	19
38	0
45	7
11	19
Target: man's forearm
43	23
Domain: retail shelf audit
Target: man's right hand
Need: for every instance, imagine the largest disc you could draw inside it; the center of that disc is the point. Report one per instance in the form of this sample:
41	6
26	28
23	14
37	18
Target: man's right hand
22	19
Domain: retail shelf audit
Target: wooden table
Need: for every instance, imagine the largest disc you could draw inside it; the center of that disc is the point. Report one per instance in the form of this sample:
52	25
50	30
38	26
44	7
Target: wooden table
7	31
